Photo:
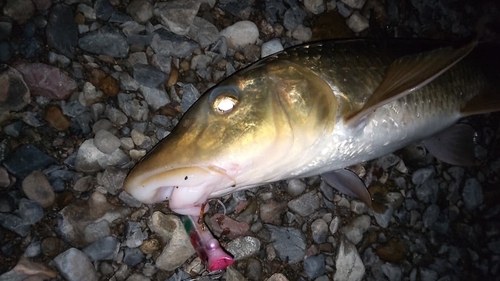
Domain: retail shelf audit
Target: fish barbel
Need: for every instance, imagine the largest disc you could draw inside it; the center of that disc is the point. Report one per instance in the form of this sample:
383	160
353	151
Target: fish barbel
309	110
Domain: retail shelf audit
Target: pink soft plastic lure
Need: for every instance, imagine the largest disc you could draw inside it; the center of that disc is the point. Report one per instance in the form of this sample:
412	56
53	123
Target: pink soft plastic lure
205	245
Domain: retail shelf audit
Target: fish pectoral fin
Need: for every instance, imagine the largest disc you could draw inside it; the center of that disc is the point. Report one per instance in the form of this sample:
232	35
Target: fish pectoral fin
410	73
486	102
348	183
454	145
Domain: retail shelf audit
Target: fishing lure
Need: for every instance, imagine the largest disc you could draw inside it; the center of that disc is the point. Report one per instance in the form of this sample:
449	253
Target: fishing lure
205	244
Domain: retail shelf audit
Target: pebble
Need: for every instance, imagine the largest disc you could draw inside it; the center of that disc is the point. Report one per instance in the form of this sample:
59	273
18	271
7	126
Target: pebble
29	270
348	263
134	234
189	96
271	47
169	44
75	266
354	231
315	6
422	175
148	75
428	191
103	249
243	247
225	226
16	94
105	41
26	159
293	17
106	142
392	271
140	10
472	194
56	119
177	15
305	204
115	116
47	81
178	248
132	257
289	243
19	10
112	179
37	188
314	266
319	230
295	187
240	34
203	32
334	225
271	210
129	200
90	159
430	215
357	22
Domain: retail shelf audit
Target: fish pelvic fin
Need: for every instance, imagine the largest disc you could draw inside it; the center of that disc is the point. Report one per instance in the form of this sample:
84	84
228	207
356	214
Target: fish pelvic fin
454	145
408	74
348	183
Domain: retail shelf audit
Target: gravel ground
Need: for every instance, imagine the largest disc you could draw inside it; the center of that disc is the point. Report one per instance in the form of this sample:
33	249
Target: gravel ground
88	87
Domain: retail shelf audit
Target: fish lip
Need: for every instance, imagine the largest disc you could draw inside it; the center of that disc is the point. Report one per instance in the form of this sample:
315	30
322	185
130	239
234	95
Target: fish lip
186	188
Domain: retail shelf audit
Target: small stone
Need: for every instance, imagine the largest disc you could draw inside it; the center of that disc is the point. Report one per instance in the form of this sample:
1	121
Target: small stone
271	47
422	175
288	242
90	159
393	251
189	97
95	231
314	266
26	159
140	10
106	142
203	32
355	230
305	204
102	249
319	230
392	271
295	187
358	207
19	10
243	247
271	211
355	4
430	215
83	184
56	119
47	81
383	219
116	116
134	234
105	41
225	226
148	75
472	194
315	6
14	95
132	257
357	22
112	179
155	98
348	263
168	44
178	248
293	17
334	225
75	266
240	34
302	33
129	200
177	15
277	277
428	191
37	188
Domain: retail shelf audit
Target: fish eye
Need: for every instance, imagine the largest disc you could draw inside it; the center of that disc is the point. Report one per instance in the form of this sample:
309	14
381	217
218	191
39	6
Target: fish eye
224	100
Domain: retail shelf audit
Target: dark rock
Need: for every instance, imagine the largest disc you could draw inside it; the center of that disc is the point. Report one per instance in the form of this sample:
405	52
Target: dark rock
26	159
133	256
6	51
62	30
288	242
170	44
105	41
148	75
75	266
103	9
276	9
314	266
19	10
103	249
14	93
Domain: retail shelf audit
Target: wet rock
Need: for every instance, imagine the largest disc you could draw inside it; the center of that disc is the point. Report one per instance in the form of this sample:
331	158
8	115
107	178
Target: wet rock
305	204
115	116
243	247
106	142
189	96
140	10
302	33
422	175
271	211
427	192
170	44
47	81
288	242
62	31
392	271
314	266
295	187
29	270
96	230
129	200
6	51
203	32
315	6
226	226
178	248
148	75
102	249
276	9
240	34
56	119
271	47
75	266
75	219
392	251
177	15
14	94
132	257
105	41
19	10
430	215
155	98
472	194
357	22
29	213
293	17
134	234
355	230
37	188
383	219
90	159
104	10
356	4
26	159
319	230
348	263
112	179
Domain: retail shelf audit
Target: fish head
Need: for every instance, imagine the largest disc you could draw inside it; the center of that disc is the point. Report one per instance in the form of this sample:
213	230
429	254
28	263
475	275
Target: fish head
247	130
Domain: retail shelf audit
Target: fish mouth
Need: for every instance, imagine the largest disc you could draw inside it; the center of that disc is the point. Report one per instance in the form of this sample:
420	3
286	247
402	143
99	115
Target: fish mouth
186	188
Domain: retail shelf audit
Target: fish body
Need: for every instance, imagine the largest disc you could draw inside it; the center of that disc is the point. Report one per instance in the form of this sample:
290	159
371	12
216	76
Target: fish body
309	110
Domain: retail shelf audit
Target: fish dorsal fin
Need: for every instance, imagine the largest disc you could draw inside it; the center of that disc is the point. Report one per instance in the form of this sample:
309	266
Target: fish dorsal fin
348	183
410	73
486	102
454	145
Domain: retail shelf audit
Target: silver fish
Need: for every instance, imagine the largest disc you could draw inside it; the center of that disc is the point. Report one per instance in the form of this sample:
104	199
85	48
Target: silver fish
310	110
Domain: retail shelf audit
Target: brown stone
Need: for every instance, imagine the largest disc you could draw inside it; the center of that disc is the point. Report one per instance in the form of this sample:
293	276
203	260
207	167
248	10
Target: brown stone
37	188
56	119
393	251
150	246
110	86
174	76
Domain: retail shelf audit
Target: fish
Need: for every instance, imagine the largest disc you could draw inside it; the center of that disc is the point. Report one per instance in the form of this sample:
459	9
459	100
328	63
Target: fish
316	109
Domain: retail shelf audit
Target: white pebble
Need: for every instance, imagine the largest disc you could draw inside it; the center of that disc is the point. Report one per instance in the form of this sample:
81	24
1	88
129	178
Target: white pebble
240	34
357	22
271	47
